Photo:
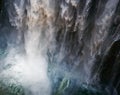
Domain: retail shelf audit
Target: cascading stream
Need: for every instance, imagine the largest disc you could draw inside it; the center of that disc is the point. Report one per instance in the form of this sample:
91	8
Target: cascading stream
30	68
59	47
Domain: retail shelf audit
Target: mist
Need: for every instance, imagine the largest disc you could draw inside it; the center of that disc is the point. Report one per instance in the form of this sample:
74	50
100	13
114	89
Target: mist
59	47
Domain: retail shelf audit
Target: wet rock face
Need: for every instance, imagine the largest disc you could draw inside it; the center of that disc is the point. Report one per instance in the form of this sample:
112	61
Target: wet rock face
83	36
100	37
110	67
92	38
0	5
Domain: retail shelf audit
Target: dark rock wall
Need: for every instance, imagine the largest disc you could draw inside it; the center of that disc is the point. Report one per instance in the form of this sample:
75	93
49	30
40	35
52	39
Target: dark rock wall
87	34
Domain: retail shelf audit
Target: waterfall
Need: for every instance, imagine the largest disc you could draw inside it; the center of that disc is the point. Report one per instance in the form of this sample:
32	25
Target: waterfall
50	47
30	66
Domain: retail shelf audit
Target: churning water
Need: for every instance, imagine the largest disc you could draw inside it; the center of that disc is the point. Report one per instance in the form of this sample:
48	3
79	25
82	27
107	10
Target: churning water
59	47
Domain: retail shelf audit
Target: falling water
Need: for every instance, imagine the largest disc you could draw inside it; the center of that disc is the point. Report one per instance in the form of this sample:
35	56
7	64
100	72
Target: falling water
30	66
59	47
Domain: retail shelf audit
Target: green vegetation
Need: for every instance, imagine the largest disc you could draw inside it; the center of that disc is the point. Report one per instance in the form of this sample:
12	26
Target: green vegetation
64	88
10	89
64	85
